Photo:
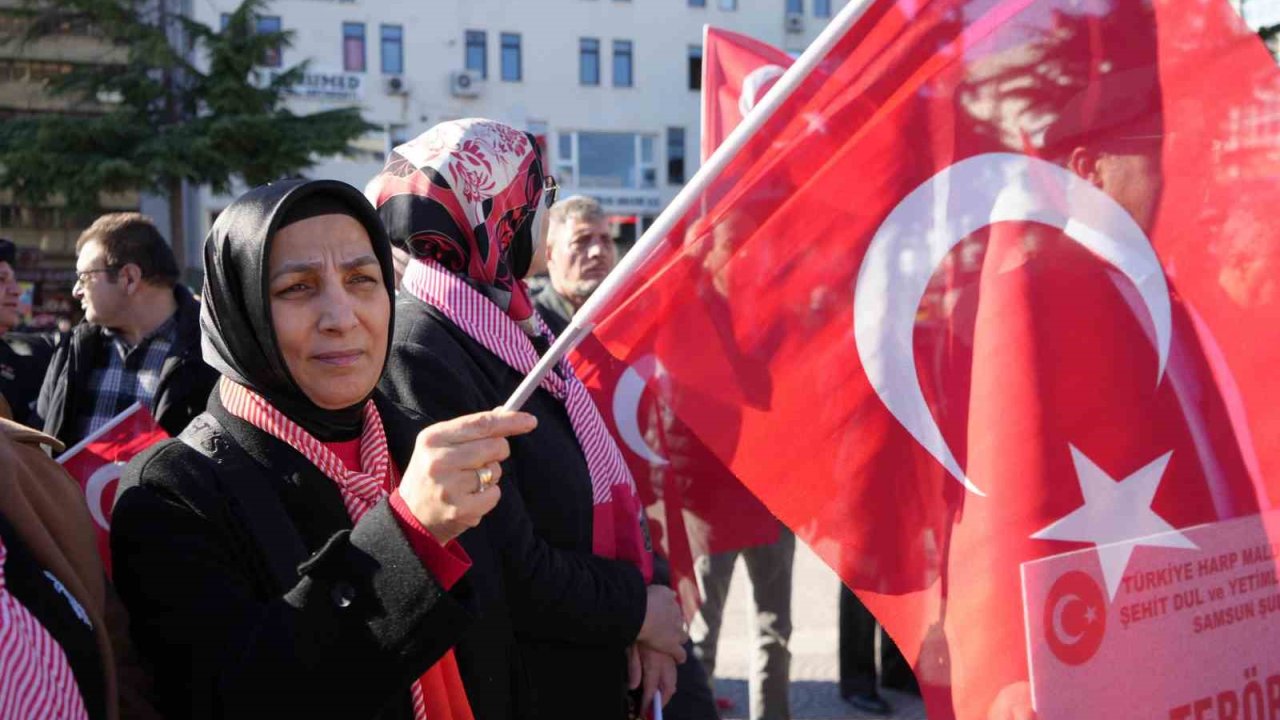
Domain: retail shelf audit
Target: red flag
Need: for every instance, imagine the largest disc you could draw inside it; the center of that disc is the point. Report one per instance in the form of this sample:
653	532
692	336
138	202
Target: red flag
737	71
997	294
97	461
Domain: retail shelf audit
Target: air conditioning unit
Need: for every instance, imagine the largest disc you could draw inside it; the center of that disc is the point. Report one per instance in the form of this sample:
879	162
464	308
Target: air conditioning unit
794	22
465	83
395	85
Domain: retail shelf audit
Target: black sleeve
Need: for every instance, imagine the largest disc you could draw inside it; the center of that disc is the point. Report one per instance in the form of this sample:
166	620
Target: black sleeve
364	620
51	375
555	594
562	595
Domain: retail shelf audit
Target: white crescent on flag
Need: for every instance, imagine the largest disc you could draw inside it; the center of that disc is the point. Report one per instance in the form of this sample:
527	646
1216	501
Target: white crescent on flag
961	199
626	406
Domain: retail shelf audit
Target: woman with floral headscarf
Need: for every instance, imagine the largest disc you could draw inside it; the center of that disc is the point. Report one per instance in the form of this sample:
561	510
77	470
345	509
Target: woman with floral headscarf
563	561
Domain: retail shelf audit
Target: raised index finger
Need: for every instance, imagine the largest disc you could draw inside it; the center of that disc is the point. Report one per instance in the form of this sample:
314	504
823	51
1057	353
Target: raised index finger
488	424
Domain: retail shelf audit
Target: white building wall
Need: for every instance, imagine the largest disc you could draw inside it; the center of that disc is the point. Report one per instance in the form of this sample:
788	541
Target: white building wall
548	98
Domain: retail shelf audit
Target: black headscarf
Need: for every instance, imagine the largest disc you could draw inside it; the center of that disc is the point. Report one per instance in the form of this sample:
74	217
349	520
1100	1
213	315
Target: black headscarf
238	339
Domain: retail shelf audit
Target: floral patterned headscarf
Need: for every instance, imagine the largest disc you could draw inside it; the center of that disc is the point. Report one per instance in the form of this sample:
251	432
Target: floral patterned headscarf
465	193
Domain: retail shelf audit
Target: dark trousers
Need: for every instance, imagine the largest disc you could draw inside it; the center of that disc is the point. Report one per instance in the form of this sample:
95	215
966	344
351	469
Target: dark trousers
858	631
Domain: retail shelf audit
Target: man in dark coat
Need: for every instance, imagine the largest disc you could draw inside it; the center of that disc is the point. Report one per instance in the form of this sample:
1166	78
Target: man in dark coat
139	342
23	357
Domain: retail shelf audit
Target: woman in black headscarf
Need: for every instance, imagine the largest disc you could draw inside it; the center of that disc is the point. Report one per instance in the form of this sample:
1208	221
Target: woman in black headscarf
293	553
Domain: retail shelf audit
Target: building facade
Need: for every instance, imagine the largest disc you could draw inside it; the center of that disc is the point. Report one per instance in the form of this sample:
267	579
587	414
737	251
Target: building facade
610	86
46	234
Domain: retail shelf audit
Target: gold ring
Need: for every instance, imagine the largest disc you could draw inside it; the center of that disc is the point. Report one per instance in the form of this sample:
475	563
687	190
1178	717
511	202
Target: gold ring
485	476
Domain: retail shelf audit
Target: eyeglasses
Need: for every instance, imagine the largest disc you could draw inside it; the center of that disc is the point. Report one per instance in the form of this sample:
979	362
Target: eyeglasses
549	190
82	276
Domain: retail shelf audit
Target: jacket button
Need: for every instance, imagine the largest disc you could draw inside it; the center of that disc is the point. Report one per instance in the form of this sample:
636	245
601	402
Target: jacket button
343	594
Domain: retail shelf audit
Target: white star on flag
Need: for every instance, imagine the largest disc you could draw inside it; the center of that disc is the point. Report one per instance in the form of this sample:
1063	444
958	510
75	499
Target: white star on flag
1116	516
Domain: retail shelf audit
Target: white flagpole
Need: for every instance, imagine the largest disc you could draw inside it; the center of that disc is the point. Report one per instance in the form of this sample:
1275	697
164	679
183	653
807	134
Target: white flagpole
584	320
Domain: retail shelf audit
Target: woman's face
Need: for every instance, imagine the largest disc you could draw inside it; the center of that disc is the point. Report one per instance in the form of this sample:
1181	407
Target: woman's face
329	308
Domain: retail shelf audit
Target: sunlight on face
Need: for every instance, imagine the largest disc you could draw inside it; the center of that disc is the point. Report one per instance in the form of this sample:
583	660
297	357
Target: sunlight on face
329	308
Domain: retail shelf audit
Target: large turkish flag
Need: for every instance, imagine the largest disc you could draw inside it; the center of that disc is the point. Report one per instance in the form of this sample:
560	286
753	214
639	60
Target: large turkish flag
998	285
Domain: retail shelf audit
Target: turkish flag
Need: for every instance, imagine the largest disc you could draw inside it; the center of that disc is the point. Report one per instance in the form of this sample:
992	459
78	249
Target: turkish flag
997	286
737	71
97	461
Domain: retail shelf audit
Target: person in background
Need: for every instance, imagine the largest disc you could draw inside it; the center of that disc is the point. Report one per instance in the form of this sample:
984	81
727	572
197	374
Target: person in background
580	253
64	643
862	673
139	342
575	617
293	553
24	357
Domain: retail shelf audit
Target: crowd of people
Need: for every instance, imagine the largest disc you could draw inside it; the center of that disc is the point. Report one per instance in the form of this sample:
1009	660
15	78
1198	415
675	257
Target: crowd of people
340	524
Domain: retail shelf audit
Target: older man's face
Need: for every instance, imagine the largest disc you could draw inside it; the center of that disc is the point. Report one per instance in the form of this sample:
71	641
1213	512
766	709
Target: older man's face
580	256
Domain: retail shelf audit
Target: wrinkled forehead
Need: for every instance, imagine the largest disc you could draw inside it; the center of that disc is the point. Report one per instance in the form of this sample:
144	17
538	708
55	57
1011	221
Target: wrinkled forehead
334	237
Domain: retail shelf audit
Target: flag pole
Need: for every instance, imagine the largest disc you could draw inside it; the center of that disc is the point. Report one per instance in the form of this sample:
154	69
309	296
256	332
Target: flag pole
584	320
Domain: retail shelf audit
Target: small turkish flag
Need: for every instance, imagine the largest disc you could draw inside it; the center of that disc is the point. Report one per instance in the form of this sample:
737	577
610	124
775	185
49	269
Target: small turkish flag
97	461
994	283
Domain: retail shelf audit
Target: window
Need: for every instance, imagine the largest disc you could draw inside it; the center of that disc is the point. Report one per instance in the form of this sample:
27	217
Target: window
795	7
589	61
263	24
392	49
511	57
477	52
606	160
397	135
697	3
695	67
675	155
565	159
728	4
353	47
822	8
270	24
622	63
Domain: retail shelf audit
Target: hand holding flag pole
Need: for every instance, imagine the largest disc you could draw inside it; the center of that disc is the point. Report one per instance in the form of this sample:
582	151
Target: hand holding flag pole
584	320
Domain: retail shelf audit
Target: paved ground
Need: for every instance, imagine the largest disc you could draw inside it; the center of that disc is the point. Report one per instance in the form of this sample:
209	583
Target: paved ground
814	666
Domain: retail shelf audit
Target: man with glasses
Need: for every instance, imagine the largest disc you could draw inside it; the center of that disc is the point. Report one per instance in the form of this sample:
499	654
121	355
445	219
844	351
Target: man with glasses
140	339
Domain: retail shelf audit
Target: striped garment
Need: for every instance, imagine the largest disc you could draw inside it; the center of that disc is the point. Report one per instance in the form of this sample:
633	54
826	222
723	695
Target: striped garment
360	490
35	678
618	530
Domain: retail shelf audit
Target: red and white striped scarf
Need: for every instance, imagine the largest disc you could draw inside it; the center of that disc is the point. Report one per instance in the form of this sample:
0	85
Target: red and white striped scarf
360	492
36	680
618	520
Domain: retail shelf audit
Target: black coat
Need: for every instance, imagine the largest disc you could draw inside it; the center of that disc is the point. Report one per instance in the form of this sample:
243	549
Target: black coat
24	359
185	380
572	613
338	627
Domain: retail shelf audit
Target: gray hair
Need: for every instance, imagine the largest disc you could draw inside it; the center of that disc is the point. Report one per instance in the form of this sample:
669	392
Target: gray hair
577	207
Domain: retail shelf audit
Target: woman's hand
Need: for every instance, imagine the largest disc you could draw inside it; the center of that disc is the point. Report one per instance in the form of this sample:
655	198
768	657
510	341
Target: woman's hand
663	628
657	670
451	481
